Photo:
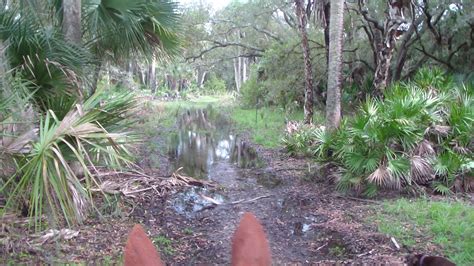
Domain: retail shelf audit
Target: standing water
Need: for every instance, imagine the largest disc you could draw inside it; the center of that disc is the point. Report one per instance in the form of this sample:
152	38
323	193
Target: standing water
205	147
204	139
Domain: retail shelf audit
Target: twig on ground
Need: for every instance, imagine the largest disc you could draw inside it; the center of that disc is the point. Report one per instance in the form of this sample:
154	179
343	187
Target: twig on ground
395	242
321	247
366	253
250	200
140	182
126	193
358	199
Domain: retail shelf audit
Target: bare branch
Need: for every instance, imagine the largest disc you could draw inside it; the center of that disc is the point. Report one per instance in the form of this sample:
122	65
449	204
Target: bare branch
365	14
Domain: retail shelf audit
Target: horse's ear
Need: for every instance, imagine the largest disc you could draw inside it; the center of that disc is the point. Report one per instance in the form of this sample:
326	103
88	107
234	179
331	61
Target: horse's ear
249	243
140	250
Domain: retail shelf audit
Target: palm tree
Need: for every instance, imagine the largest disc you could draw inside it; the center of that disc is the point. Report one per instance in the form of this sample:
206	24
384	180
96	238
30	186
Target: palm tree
333	101
308	99
52	67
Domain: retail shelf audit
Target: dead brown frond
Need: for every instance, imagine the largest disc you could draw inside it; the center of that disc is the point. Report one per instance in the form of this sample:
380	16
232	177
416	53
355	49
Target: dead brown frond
421	171
425	147
383	178
464	184
440	130
379	176
460	149
134	182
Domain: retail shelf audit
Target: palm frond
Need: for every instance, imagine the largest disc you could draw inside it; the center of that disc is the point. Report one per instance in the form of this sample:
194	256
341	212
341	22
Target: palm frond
131	28
46	171
421	170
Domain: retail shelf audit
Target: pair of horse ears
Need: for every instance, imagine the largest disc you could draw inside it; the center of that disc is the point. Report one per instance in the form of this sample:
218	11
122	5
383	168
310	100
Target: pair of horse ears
249	246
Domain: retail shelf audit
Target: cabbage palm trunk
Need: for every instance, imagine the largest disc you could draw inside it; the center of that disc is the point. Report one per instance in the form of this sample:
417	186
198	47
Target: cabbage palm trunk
333	101
71	24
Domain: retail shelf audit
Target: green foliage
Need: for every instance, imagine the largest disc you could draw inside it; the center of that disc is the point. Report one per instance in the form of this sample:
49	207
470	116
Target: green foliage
418	133
124	28
274	85
54	175
308	140
252	92
448	224
164	244
38	54
215	85
266	125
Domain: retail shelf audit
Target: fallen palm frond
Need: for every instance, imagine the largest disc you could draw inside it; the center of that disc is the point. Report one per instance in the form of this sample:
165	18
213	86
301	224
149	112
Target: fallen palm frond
131	183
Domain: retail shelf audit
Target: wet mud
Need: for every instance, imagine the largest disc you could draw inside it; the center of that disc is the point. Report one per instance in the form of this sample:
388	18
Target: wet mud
304	221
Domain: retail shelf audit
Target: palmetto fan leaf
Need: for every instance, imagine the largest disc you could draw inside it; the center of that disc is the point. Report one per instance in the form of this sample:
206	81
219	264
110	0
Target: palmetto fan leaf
381	176
128	28
39	54
46	172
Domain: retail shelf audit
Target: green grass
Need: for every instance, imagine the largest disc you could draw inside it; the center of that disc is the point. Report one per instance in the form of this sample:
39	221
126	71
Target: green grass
164	244
449	224
267	125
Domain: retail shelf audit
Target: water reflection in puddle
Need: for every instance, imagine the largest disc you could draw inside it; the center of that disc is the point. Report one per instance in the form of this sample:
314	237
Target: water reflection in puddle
205	138
205	147
191	201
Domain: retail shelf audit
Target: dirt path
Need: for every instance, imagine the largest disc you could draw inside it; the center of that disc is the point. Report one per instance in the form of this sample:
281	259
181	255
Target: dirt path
305	221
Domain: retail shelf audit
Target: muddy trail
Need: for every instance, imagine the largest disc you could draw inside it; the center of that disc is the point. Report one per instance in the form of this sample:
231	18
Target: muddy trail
306	222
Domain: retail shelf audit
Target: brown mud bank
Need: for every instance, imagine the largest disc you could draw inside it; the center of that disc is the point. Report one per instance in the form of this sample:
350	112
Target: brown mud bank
305	220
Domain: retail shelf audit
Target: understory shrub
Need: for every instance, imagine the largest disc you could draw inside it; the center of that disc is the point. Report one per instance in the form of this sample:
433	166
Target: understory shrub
53	162
215	85
420	133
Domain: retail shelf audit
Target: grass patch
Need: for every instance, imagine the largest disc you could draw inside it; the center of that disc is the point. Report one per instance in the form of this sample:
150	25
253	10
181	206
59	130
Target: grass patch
164	245
445	223
267	125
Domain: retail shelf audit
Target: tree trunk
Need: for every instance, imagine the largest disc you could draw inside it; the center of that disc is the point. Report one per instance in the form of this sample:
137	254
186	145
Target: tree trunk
201	78
384	57
308	99
386	45
327	10
129	81
403	49
71	24
333	101
244	70
237	74
152	75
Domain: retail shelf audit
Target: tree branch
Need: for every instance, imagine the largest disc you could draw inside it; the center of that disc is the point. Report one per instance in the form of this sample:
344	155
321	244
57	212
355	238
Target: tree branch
366	16
222	45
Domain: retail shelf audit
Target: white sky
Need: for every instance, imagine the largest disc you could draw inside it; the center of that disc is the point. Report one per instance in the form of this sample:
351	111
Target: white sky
216	4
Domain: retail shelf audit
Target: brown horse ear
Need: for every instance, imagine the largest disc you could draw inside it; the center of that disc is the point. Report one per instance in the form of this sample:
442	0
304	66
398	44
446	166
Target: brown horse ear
139	250
249	243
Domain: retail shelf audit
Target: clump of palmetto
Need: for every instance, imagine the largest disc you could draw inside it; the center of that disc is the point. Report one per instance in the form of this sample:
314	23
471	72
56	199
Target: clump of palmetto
54	161
65	132
421	133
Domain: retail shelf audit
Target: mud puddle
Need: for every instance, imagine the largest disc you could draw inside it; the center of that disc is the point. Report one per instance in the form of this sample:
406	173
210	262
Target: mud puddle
205	147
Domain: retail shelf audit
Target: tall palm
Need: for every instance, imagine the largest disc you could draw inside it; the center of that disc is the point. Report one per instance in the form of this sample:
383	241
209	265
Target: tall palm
333	101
